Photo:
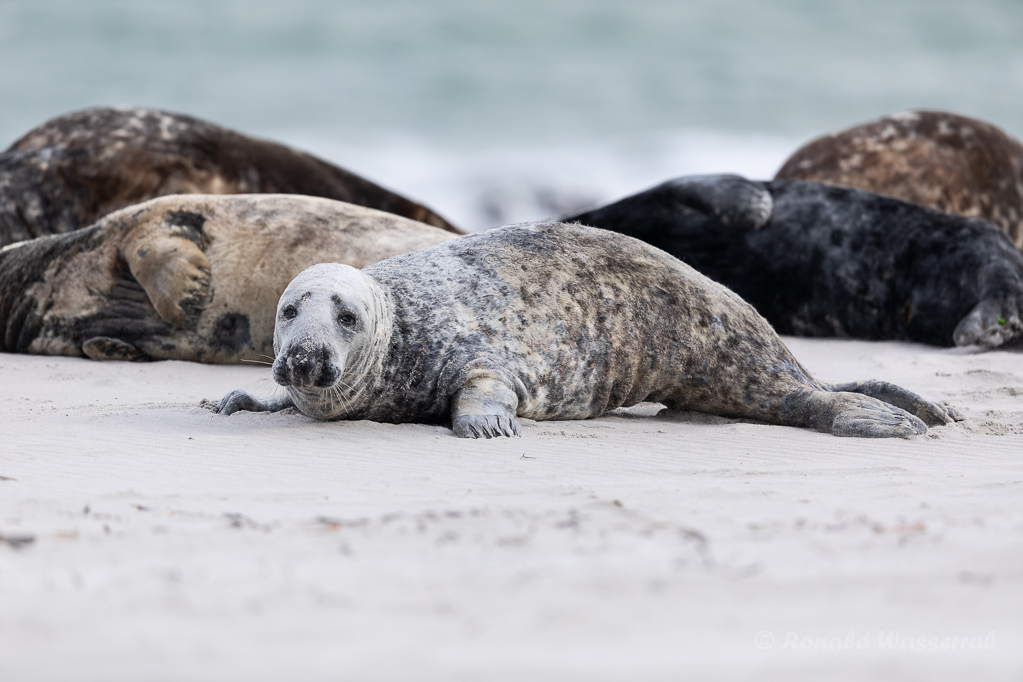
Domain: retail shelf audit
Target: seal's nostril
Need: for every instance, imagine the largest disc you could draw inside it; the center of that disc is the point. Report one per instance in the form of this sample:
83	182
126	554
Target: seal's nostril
303	367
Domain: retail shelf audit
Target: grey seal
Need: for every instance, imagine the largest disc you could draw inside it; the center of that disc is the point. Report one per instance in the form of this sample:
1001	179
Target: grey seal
547	321
185	277
74	169
823	260
936	158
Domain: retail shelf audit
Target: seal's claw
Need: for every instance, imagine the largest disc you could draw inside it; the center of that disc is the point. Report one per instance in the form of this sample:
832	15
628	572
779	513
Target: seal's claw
484	426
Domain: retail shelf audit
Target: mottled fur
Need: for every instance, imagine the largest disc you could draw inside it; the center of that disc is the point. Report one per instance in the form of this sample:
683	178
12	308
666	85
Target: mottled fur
186	277
824	260
78	167
545	321
935	158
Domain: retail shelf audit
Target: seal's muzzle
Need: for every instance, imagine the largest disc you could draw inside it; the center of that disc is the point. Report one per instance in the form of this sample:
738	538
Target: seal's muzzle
305	367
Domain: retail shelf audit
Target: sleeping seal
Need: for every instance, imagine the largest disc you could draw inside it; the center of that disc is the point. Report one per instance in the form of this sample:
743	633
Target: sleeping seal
185	277
824	260
547	321
935	158
78	167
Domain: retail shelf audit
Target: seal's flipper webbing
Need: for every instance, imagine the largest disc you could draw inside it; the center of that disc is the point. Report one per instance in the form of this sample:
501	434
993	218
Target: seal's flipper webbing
167	259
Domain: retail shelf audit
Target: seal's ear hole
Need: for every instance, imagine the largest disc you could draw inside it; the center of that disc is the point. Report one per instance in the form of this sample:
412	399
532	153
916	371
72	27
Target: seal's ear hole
347	319
289	312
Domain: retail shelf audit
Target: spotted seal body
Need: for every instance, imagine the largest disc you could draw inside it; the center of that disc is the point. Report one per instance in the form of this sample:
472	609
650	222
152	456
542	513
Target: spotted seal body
936	158
76	168
186	277
824	260
547	321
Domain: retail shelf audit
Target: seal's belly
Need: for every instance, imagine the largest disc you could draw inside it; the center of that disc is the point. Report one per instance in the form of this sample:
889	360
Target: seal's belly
584	387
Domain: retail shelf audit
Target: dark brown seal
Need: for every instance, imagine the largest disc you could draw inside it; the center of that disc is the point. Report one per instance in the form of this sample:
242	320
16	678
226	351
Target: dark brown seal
548	321
936	158
78	167
185	277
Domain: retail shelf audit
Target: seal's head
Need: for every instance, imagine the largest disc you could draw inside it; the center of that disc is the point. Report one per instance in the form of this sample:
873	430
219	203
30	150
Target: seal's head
333	324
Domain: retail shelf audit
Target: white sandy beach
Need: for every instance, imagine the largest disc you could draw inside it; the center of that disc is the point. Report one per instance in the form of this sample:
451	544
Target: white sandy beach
145	538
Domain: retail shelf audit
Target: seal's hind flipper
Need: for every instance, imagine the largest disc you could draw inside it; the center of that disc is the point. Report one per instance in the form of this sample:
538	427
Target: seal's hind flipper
167	259
932	414
871	418
106	348
850	414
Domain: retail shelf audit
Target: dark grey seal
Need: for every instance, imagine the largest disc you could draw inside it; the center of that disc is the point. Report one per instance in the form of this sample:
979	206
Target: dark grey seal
936	158
548	321
824	260
76	168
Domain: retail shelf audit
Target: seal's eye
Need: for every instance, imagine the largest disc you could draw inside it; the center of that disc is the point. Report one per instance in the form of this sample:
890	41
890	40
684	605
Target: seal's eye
347	319
289	312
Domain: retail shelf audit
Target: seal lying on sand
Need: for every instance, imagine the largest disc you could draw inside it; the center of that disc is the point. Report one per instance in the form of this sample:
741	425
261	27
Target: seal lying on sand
76	168
186	277
823	260
547	321
935	158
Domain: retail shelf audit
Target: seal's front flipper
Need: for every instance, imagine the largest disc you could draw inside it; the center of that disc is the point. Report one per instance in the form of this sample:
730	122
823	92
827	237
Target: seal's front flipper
850	414
996	319
484	407
991	323
237	401
166	258
932	414
106	348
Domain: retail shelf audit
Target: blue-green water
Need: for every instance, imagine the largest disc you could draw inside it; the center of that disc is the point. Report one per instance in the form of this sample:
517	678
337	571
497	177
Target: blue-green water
499	110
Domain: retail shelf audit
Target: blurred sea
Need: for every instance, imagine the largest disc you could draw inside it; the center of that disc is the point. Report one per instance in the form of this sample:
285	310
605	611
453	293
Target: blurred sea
495	112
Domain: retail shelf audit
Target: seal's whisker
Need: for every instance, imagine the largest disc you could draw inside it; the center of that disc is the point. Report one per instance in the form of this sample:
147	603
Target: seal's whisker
273	386
347	399
337	397
257	362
